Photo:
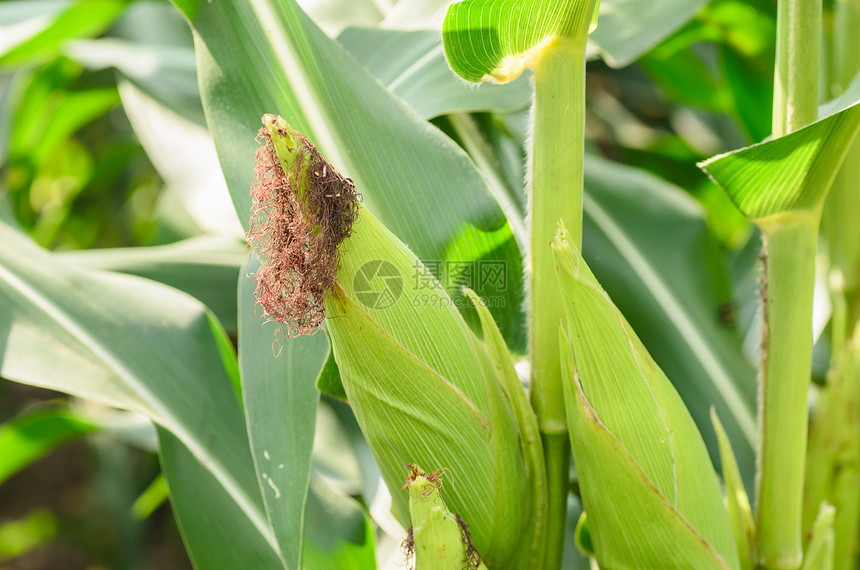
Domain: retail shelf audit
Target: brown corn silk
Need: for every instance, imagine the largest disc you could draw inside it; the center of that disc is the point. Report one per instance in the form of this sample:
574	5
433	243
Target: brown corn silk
298	220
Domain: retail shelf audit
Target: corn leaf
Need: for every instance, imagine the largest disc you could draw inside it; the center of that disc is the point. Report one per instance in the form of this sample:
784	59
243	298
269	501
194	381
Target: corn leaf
270	387
497	40
625	394
411	64
205	267
793	173
135	344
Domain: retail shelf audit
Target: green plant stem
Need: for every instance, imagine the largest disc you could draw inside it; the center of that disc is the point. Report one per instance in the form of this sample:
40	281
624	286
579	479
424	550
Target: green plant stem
790	245
790	277
556	193
833	462
798	40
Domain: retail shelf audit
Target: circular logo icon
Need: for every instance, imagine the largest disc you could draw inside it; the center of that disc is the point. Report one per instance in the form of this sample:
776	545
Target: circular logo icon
377	284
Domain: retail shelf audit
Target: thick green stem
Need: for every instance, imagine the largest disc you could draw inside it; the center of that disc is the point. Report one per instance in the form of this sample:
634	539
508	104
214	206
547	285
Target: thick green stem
556	193
798	41
789	281
787	352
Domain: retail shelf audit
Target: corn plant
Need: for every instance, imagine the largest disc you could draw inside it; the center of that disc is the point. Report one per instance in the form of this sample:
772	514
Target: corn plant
530	353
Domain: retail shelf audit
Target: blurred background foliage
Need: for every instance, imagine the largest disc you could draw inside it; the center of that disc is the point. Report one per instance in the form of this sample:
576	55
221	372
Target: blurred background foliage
104	156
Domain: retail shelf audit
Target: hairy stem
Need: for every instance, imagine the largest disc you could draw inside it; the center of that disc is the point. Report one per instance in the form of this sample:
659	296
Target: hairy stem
798	40
790	277
787	342
556	193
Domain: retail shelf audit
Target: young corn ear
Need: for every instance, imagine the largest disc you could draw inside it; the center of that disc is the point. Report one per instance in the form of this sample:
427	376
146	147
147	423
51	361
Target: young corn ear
651	494
438	539
407	360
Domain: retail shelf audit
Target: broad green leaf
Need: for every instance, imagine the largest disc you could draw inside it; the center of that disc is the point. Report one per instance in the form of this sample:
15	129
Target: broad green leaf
631	399
204	267
135	344
819	554
411	64
33	434
416	386
214	525
737	503
661	537
496	40
791	174
280	401
37	30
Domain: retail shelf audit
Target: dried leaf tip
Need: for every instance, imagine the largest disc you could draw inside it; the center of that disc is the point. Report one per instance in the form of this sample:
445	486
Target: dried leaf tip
302	209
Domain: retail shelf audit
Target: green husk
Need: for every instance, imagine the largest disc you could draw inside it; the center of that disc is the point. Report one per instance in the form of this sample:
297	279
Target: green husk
637	450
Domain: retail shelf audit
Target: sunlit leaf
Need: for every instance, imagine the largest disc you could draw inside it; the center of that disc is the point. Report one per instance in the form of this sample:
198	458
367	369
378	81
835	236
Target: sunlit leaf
496	40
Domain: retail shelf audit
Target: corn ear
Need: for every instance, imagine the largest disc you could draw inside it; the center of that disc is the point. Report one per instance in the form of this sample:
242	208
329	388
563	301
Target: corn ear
417	386
438	539
651	494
